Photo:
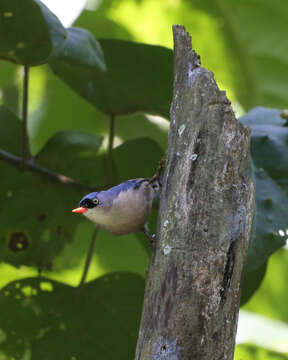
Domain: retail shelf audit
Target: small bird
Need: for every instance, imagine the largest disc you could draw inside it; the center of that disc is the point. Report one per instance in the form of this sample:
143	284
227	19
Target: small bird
122	209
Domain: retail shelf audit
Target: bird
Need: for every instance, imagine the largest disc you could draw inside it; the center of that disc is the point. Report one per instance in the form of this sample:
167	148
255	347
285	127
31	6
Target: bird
122	209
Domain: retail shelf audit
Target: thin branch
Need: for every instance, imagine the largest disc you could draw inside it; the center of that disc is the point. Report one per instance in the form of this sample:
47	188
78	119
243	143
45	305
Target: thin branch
111	178
8	59
16	161
157	176
25	139
89	257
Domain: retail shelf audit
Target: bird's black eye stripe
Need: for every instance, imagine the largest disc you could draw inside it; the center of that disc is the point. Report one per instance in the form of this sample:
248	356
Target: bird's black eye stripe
88	203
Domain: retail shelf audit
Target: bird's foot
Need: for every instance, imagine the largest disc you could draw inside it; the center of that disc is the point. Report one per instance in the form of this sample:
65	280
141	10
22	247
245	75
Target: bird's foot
151	238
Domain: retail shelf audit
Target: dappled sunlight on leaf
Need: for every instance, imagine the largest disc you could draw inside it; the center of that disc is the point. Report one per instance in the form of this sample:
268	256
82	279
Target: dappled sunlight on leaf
98	320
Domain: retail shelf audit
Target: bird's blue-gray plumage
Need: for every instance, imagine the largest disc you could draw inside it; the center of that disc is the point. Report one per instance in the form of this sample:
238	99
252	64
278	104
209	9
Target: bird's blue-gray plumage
133	184
123	209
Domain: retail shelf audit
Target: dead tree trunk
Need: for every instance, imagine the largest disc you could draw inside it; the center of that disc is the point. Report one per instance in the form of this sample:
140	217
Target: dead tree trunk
193	285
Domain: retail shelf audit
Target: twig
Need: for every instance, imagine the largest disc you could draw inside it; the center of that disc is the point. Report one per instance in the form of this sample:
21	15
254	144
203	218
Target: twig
157	175
89	257
110	176
25	139
8	59
16	161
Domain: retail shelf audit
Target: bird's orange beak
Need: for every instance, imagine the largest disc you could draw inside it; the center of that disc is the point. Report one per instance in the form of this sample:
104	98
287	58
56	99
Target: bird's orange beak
79	210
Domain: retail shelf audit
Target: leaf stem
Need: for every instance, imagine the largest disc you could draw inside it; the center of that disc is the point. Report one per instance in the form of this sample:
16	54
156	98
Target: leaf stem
16	161
89	256
111	177
25	139
111	135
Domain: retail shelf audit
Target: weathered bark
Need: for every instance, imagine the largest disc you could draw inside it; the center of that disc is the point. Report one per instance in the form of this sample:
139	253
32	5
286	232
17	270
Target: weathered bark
193	285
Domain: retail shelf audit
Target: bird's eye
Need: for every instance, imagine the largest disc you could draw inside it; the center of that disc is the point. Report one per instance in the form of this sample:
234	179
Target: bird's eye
95	201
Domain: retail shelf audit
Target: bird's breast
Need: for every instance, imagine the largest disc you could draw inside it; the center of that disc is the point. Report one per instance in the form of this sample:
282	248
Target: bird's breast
127	213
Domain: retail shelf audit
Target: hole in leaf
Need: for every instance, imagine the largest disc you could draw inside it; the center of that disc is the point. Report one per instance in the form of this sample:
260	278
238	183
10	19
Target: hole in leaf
62	326
46	286
27	290
18	241
3	336
42	217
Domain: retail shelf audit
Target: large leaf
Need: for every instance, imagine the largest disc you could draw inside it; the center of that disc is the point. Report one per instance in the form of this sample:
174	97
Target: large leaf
128	60
50	320
36	218
269	148
80	47
29	32
256	37
139	77
21	44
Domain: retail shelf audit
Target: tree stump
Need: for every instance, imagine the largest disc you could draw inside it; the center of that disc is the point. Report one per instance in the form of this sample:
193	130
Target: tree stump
193	284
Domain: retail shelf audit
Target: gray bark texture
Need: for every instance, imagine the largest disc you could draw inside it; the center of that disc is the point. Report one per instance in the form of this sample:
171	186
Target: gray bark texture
193	283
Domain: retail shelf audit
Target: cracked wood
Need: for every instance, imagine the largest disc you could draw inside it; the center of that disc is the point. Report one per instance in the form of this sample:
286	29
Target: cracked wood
192	293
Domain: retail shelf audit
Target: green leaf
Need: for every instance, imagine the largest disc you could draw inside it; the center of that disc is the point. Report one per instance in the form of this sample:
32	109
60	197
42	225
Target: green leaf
251	283
7	74
29	32
269	222
139	77
125	253
142	125
269	148
99	320
63	109
137	158
254	352
244	44
250	33
78	151
60	109
36	217
272	297
81	48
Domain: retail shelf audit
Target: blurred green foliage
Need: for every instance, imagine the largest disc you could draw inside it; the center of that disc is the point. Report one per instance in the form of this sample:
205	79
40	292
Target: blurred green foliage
243	42
252	352
271	299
